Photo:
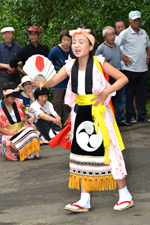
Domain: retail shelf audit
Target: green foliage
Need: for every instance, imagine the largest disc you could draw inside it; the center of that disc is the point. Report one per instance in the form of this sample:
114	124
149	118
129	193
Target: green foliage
53	16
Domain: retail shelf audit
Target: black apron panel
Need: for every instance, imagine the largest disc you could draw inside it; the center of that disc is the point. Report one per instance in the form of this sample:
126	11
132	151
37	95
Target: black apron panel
84	114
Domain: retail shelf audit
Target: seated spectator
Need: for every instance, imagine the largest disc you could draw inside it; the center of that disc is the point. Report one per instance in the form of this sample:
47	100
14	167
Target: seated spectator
18	135
46	118
28	97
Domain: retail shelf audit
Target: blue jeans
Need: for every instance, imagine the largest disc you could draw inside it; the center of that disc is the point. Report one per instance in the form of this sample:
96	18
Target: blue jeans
119	102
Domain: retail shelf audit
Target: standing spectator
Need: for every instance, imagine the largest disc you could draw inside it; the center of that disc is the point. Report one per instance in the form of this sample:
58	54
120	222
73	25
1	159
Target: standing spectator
112	54
58	55
119	26
136	56
31	49
8	49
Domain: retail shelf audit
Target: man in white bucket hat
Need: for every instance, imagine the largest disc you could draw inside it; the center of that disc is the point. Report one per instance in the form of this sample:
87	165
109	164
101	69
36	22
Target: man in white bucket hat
8	49
136	56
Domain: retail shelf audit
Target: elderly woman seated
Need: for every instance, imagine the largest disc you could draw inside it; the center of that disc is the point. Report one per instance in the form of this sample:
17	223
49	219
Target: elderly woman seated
46	118
27	96
18	135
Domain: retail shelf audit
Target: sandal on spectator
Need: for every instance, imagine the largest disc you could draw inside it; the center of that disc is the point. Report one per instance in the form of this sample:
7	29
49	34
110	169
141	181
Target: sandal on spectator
133	121
144	121
43	141
124	123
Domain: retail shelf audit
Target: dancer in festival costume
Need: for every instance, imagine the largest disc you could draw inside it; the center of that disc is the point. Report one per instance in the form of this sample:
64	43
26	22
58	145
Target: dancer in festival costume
18	136
96	161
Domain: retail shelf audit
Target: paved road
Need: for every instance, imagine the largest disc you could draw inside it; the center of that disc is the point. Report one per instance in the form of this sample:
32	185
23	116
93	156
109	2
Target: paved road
34	192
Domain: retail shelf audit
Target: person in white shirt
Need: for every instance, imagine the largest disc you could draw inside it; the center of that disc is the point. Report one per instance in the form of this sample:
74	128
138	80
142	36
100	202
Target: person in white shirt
136	56
46	118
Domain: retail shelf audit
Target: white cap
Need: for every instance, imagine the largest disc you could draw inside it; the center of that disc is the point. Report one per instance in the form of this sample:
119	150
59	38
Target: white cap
134	15
9	29
23	80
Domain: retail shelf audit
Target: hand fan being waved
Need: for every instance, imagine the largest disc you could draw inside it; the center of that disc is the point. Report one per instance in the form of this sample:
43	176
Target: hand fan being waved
40	68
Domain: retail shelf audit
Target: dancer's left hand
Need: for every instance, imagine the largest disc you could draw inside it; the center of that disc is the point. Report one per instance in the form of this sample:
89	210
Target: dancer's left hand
100	98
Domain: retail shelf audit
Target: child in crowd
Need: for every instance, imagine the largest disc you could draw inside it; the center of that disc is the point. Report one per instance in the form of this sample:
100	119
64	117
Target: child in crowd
96	160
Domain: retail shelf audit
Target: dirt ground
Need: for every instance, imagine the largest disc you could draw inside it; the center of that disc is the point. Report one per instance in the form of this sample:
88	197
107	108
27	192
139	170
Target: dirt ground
35	192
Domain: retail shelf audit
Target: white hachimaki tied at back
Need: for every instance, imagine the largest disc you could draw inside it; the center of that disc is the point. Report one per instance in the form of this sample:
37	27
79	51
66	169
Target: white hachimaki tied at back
39	67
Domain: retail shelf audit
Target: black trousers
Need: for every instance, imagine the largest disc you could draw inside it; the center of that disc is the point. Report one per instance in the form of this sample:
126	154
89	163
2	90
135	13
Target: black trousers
44	127
137	86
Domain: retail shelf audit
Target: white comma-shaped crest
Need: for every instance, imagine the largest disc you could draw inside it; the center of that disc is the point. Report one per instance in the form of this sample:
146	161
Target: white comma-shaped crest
86	138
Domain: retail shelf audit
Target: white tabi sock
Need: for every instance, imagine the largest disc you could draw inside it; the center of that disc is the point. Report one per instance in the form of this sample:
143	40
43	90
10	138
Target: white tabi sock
84	200
124	195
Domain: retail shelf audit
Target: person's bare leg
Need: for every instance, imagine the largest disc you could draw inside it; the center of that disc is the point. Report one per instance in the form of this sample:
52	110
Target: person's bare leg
121	183
83	189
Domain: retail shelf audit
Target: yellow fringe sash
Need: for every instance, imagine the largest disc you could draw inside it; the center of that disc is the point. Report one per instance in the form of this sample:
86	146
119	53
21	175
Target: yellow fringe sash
92	183
29	149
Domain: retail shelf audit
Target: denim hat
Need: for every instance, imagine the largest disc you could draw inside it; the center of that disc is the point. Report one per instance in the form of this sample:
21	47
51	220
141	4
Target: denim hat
134	15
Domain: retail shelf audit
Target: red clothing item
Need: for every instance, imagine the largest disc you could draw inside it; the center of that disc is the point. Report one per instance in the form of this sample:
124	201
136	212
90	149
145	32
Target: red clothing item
4	120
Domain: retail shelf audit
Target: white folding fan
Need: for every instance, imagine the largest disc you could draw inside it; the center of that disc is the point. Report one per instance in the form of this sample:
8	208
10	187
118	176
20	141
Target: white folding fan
38	66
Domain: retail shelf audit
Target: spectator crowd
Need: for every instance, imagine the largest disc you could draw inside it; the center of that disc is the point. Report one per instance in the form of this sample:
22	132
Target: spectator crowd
28	119
126	49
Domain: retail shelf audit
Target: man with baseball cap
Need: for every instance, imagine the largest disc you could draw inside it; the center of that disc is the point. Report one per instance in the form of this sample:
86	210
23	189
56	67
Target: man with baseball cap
31	49
136	56
8	49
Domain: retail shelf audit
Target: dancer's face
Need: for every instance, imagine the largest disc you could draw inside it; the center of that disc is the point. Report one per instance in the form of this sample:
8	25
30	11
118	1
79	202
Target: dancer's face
81	46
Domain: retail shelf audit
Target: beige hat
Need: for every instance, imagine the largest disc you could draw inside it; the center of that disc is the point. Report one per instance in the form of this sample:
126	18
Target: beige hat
9	29
23	80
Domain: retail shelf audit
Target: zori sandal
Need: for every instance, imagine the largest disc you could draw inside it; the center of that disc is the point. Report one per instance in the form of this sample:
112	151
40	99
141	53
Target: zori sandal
127	204
76	208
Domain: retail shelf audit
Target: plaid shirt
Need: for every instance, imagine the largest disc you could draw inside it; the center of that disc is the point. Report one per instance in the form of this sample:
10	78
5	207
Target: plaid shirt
7	53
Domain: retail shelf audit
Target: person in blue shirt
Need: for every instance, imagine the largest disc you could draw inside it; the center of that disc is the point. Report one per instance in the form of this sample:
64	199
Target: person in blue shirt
8	49
58	55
